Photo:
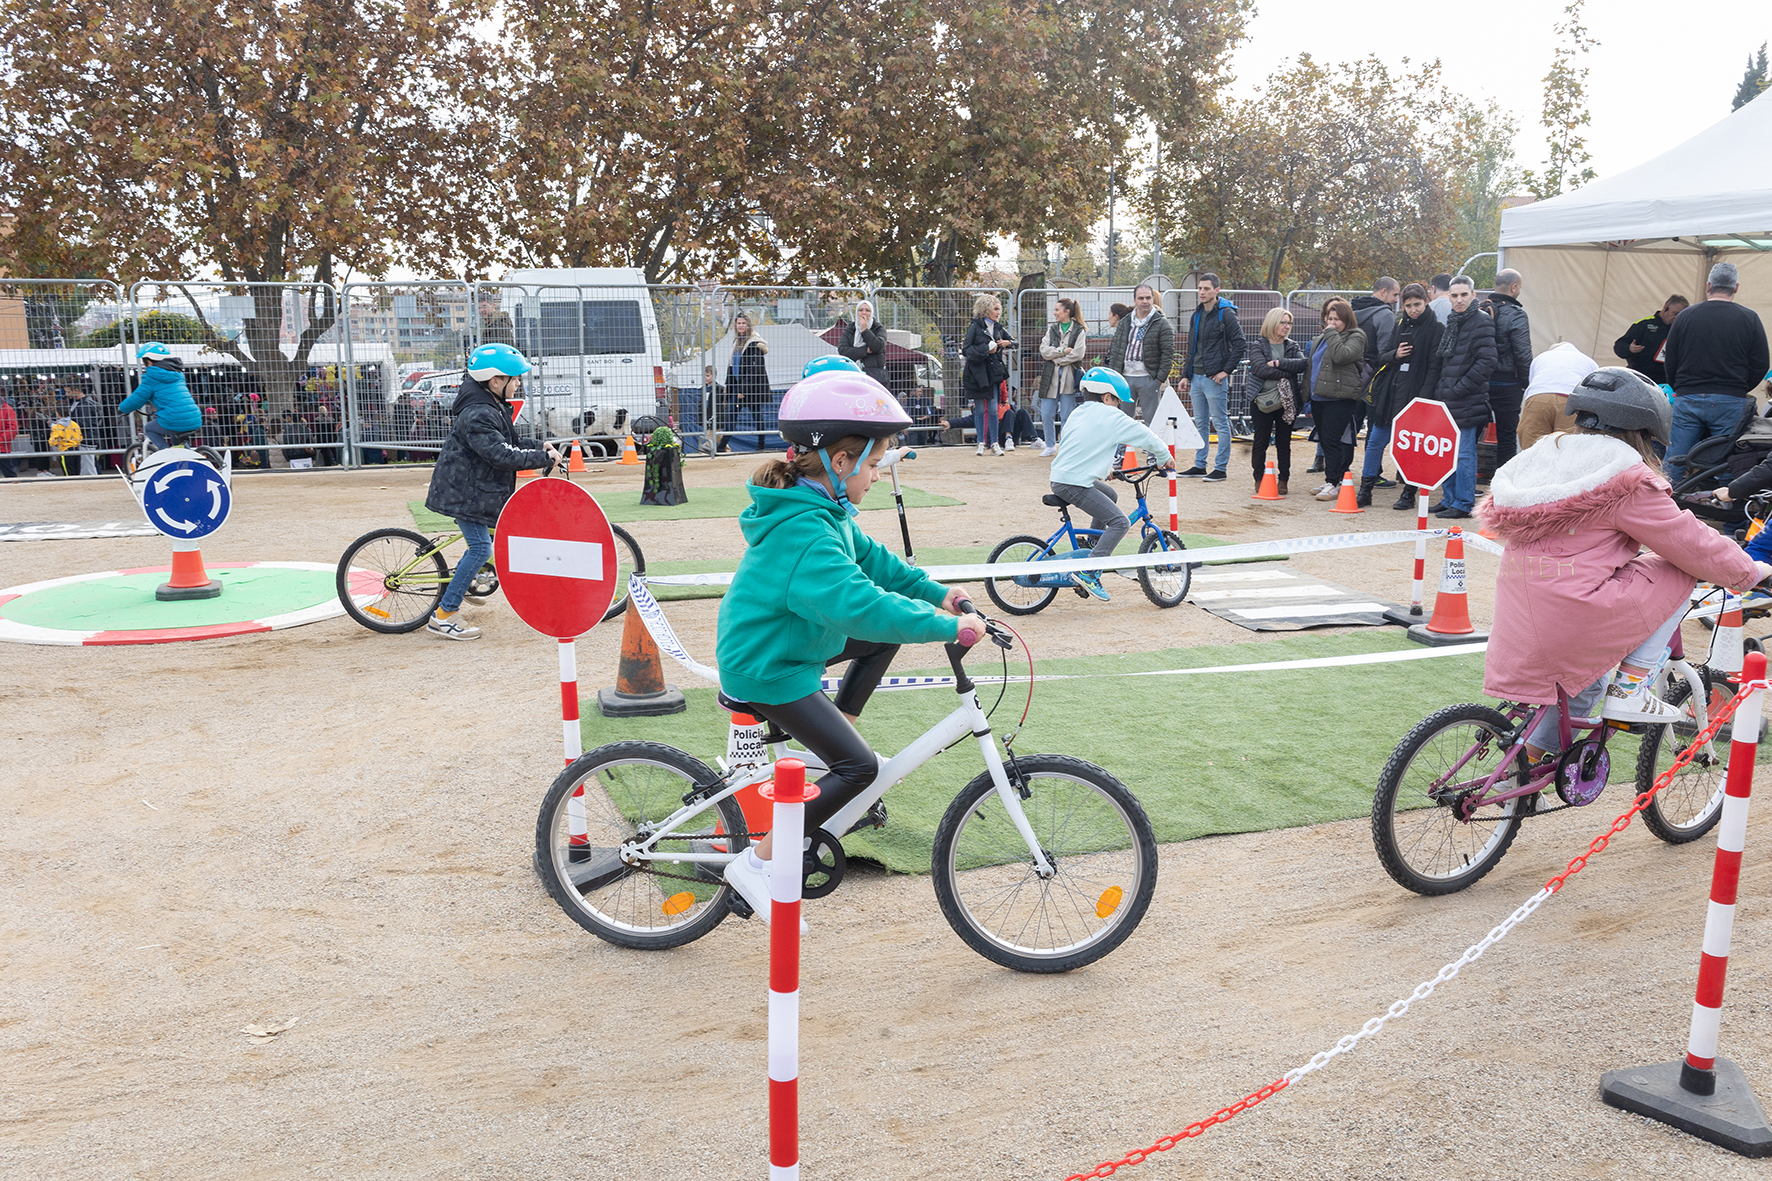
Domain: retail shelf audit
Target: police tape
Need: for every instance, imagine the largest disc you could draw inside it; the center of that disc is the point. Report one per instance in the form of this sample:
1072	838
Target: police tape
1209	556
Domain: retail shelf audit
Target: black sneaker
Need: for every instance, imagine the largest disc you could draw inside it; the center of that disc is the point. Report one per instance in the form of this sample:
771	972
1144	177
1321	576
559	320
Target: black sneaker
1452	514
1193	471
1217	475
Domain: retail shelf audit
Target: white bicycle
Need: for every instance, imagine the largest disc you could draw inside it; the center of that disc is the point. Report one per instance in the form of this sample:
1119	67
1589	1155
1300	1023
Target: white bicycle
1042	863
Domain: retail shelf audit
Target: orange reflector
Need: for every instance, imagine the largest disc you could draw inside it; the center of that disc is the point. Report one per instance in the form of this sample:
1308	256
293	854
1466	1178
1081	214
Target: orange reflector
378	611
1109	901
676	904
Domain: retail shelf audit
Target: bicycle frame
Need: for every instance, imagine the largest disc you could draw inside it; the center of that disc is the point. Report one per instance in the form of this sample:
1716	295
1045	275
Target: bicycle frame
1140	517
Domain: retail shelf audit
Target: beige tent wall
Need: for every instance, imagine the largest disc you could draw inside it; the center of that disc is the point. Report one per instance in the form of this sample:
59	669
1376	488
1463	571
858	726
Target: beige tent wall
1589	294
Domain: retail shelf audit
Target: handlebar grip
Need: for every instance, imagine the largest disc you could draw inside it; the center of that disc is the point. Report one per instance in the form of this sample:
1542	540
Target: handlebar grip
966	607
968	637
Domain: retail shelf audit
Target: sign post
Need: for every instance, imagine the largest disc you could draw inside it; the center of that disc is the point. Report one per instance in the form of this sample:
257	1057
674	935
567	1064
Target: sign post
1175	426
1424	441
187	499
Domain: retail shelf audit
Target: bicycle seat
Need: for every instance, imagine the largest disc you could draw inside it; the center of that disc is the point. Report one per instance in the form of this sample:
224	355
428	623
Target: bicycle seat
732	705
1052	501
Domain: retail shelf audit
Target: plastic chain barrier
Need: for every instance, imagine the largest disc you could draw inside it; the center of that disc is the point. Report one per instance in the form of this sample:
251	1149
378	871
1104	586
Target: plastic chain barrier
1472	953
1210	556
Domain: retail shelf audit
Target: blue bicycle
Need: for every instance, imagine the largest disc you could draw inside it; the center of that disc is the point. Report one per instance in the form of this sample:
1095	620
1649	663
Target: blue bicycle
1024	594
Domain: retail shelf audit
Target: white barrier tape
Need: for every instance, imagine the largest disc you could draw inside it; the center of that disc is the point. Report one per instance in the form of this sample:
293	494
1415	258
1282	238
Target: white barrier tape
652	615
1206	556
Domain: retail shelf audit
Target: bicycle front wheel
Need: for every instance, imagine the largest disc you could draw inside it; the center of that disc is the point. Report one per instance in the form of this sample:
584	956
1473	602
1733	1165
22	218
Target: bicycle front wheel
1166	586
1093	831
1416	828
1689	806
628	560
614	794
400	576
1019	595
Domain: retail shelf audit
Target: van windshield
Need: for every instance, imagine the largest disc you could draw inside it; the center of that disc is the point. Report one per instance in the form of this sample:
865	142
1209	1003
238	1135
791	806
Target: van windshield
609	326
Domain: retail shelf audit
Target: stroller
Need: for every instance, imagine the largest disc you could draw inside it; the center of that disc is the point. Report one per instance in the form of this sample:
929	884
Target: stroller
1718	460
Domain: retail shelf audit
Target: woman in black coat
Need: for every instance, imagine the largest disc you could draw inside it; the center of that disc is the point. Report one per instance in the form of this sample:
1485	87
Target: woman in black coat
747	383
864	342
1402	371
987	368
1276	364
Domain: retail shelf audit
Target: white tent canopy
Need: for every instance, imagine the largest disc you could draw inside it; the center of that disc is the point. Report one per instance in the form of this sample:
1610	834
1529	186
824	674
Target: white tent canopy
1603	256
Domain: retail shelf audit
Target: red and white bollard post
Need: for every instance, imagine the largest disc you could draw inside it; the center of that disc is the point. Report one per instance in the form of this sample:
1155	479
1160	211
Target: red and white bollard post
789	793
577	832
1174	508
1703	1094
1413	615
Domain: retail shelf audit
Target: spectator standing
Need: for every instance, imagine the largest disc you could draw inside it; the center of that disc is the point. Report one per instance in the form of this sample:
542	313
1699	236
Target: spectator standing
1336	363
1116	313
1640	346
1716	356
1376	314
1065	348
1402	372
1439	296
713	394
1554	375
83	408
1143	352
8	432
1459	377
986	346
1513	362
1214	346
747	381
864	342
1276	369
495	323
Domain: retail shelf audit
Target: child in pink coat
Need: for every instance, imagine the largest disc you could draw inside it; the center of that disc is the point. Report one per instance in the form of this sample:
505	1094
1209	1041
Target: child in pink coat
1575	595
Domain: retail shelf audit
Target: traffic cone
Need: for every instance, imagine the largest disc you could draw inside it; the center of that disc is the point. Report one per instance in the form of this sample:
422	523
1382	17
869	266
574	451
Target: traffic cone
640	690
1451	620
1270	483
578	459
189	579
1129	461
1348	501
1726	647
629	457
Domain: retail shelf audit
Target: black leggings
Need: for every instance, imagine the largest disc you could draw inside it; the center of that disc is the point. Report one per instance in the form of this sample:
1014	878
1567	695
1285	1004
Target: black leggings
817	723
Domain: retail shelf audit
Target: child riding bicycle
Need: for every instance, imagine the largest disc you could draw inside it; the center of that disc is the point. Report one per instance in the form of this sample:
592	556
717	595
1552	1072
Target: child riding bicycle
1576	596
1085	456
813	590
163	387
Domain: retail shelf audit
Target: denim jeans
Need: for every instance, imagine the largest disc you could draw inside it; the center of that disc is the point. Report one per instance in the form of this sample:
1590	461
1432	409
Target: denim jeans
1696	418
1212	410
984	420
1461	490
1053	412
1377	439
1102	505
479	539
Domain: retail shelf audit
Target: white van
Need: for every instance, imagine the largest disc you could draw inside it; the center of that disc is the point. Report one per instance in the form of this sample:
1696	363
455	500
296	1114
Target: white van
592	335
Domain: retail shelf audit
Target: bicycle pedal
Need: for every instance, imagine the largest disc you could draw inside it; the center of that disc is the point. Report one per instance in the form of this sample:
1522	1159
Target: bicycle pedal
874	817
737	905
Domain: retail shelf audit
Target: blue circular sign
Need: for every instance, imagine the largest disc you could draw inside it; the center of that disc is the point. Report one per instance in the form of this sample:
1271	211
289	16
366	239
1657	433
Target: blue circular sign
186	499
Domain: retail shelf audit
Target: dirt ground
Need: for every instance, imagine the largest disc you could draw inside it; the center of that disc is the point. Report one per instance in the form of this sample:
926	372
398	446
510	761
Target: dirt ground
333	826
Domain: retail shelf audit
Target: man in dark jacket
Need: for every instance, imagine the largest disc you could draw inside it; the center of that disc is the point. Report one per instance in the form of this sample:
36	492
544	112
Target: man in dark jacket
1376	314
1640	346
1513	362
1143	352
864	342
1458	375
83	408
1215	347
1716	356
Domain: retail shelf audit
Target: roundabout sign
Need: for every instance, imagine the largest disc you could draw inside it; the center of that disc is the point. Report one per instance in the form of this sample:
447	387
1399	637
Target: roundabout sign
185	499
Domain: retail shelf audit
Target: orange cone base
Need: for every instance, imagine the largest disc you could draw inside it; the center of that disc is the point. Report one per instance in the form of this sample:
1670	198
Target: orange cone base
172	593
1348	500
1270	484
1423	633
189	579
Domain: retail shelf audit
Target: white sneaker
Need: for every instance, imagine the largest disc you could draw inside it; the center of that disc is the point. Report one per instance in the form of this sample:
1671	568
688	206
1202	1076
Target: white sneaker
980	450
1047	451
996	448
1636	704
451	628
750	877
1008	444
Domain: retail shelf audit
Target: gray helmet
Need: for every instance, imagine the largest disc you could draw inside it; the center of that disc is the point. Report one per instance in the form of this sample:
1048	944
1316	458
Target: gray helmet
1618	399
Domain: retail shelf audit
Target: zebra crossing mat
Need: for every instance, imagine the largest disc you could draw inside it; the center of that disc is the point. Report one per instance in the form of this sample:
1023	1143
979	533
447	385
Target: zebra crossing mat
73	530
1267	600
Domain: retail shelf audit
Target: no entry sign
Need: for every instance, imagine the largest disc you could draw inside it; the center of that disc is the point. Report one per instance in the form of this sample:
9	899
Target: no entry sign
1424	439
555	556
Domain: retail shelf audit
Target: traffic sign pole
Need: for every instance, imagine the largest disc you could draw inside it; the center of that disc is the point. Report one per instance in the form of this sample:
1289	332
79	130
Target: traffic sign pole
1425	443
1421	499
569	700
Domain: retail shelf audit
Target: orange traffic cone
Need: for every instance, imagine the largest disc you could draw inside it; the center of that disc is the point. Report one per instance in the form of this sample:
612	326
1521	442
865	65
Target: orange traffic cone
189	579
640	690
578	459
1348	501
1129	462
1726	647
1451	620
629	456
1270	483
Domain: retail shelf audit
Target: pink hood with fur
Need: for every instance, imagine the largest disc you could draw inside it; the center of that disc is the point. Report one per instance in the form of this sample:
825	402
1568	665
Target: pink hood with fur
1575	594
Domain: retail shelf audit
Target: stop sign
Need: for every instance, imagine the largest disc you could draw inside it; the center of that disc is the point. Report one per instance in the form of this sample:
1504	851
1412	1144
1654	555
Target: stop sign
1424	439
556	559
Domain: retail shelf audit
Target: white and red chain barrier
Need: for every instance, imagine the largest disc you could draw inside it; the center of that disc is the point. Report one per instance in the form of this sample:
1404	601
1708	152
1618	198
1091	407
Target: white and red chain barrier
1746	706
789	793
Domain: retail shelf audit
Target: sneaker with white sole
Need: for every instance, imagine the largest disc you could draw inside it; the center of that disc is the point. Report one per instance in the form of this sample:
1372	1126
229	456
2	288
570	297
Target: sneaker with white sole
1047	451
451	628
749	875
996	448
1091	582
1008	444
980	450
1636	703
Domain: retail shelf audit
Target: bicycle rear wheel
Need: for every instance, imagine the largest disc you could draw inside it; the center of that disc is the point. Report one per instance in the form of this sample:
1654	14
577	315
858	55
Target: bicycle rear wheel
1010	595
406	588
1094	832
610	795
628	560
1415	827
1689	806
1166	586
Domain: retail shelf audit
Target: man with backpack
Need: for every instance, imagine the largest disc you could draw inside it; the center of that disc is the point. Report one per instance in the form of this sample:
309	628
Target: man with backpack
1513	362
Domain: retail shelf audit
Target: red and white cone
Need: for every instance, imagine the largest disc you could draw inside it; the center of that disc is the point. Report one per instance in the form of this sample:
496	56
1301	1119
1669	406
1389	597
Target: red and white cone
189	579
1451	620
1725	643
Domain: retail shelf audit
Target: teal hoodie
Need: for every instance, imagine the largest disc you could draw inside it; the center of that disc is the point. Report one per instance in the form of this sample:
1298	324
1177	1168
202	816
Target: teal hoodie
809	582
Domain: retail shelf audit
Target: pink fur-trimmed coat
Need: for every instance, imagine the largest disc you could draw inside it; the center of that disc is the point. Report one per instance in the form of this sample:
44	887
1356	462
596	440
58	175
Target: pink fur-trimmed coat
1575	595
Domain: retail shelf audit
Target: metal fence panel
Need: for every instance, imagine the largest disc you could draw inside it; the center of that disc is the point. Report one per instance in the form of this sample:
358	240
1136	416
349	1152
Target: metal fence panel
61	356
795	324
929	324
405	345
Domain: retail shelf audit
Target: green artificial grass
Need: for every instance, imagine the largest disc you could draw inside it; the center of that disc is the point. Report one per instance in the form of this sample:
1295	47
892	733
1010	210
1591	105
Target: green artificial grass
623	506
1207	754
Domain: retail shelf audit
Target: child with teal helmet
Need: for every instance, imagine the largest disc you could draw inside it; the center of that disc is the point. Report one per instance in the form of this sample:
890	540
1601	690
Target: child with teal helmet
162	386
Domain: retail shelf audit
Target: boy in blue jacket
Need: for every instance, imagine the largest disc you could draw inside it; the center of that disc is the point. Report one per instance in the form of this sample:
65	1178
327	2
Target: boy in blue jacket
163	386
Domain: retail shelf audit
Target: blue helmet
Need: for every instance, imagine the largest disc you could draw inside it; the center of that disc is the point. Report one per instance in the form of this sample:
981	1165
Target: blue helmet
495	360
828	363
1102	380
153	351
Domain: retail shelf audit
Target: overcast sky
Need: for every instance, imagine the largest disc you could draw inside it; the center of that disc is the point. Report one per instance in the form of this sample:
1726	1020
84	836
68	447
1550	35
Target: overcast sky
1662	71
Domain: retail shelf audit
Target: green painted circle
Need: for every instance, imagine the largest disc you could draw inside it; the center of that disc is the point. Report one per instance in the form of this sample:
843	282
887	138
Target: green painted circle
125	602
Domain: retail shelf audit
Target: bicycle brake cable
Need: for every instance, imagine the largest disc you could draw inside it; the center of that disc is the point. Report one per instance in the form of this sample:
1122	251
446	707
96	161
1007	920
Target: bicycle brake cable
1028	705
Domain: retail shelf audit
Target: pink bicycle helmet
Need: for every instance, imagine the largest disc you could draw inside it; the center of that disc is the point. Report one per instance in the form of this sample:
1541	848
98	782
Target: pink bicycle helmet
827	406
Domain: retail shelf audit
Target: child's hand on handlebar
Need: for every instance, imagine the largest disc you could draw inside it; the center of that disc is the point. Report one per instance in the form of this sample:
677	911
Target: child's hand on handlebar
1721	495
554	455
956	602
1765	573
975	625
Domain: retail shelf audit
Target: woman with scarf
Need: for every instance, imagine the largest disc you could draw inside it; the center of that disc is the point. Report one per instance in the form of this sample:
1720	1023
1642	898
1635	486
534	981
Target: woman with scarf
987	367
1335	364
1064	350
864	342
747	382
1402	370
1276	365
